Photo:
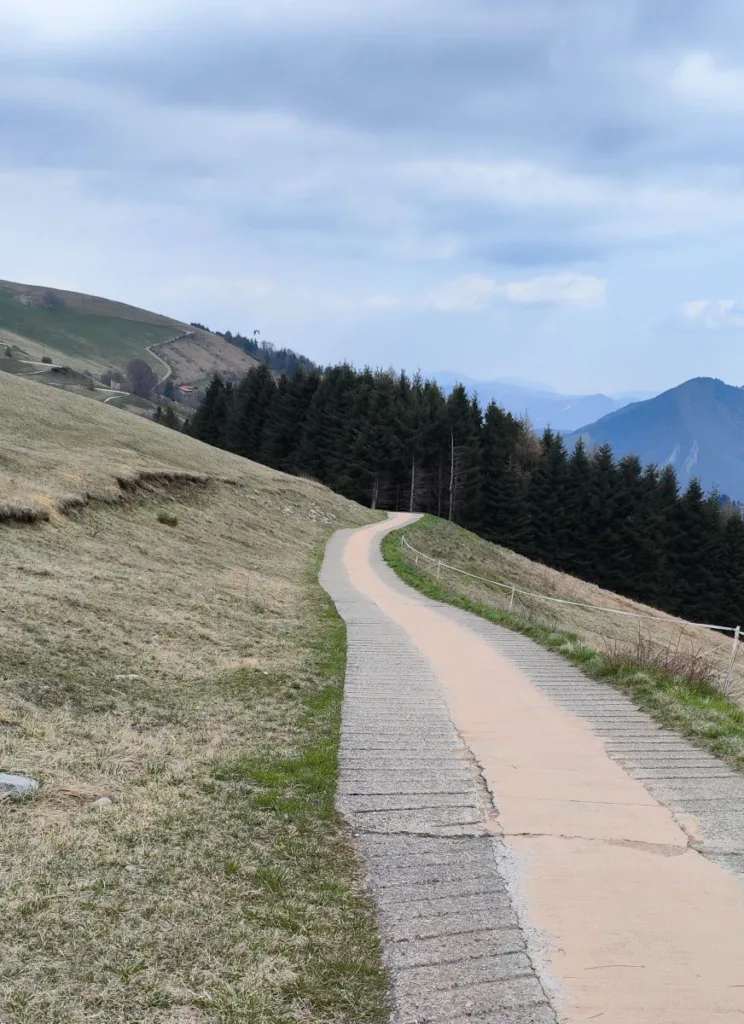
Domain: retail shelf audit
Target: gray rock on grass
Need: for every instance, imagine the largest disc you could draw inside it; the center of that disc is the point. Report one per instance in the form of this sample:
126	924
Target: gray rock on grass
16	787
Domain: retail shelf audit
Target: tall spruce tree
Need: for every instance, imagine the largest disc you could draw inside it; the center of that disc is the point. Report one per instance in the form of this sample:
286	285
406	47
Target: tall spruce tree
547	496
435	447
636	557
731	611
464	422
250	412
504	514
698	567
209	422
603	516
329	430
664	529
577	513
282	436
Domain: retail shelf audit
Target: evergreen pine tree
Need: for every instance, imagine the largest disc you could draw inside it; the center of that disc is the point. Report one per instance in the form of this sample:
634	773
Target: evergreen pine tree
602	519
504	512
664	530
547	495
636	556
250	412
209	422
576	512
434	448
282	435
698	558
463	487
329	430
170	418
731	611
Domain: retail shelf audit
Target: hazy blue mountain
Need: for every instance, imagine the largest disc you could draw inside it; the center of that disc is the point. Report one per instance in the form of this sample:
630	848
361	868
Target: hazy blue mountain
698	427
539	403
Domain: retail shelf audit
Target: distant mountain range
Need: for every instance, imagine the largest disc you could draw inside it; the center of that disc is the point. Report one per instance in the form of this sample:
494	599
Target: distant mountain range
697	427
541	404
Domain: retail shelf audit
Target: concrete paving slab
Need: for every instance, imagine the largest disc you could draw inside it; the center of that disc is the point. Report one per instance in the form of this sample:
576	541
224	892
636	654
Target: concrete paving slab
417	889
474	971
507	994
407	801
453	948
443	821
449	924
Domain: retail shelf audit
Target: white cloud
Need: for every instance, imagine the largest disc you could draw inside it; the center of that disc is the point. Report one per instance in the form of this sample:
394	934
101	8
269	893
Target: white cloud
604	208
567	289
713	314
694	309
476	292
699	80
472	291
518	182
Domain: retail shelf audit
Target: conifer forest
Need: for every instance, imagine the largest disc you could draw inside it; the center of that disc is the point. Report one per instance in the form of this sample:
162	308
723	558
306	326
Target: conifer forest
399	443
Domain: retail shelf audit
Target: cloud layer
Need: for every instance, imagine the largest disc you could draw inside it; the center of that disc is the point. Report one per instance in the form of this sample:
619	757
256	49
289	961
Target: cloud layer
548	181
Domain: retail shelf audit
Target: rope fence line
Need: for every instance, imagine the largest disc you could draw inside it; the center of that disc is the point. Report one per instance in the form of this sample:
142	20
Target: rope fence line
515	590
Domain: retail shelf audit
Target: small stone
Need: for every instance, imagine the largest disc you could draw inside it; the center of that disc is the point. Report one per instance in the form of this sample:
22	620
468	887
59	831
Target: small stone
102	803
16	787
130	868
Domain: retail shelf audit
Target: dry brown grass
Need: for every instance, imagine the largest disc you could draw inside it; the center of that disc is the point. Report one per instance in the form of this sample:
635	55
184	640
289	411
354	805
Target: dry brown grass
195	358
168	667
91	304
663	641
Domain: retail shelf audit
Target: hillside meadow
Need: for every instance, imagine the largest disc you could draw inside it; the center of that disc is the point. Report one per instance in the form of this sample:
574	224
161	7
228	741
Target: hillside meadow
93	334
171	674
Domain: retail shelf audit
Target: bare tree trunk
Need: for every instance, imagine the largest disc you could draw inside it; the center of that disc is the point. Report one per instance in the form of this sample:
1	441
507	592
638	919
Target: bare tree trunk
375	492
413	483
439	489
452	473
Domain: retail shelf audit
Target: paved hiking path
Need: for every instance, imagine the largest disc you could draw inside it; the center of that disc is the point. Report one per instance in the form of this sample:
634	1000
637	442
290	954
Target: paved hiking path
539	850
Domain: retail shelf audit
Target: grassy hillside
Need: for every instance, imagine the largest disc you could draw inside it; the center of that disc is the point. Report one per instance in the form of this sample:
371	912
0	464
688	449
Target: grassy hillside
166	646
93	334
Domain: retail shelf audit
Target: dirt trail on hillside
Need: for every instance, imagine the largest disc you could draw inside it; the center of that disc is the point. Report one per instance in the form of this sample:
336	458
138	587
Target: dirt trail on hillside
629	923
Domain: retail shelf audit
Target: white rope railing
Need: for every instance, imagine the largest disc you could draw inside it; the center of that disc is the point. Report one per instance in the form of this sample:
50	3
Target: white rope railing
559	600
515	590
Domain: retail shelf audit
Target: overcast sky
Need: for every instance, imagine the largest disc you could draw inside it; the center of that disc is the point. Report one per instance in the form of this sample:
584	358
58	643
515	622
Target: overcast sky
549	189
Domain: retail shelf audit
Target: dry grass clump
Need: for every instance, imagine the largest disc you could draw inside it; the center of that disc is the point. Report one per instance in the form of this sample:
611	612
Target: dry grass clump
202	355
681	658
192	676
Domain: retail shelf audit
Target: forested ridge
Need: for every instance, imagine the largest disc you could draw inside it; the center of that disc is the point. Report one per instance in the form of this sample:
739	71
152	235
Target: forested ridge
394	442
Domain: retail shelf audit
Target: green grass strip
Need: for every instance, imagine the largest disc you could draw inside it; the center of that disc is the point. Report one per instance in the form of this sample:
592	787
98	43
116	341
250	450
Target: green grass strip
308	876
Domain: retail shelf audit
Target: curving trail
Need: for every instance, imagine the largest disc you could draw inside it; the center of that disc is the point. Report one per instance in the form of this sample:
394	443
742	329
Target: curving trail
168	367
539	850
